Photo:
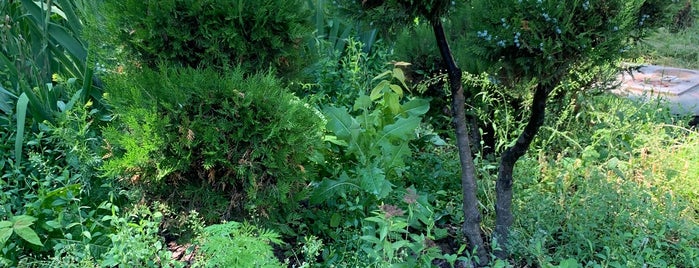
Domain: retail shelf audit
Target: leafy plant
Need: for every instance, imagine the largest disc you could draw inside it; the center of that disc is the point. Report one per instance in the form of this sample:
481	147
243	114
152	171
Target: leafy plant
19	225
376	141
136	241
234	244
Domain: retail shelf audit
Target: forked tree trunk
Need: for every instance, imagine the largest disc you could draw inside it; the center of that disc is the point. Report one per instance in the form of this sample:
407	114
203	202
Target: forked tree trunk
472	216
503	187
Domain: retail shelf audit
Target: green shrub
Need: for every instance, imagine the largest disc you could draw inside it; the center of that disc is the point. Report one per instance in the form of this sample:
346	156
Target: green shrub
234	244
214	33
136	242
246	135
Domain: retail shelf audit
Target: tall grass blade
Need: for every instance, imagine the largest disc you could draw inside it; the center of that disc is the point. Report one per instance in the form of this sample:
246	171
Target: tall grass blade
21	116
70	43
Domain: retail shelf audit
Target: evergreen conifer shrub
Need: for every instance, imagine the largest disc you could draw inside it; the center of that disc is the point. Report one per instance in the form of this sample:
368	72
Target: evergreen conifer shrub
213	33
247	136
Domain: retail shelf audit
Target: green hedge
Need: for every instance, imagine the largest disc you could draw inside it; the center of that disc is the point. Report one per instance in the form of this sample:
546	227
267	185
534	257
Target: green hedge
246	135
213	33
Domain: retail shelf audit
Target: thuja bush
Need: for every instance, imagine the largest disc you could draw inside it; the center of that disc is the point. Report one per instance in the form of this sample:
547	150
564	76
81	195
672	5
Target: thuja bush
245	135
213	33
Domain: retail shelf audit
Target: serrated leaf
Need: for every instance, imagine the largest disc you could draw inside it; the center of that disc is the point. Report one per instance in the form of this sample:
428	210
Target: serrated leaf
373	180
28	235
328	188
341	122
362	102
394	154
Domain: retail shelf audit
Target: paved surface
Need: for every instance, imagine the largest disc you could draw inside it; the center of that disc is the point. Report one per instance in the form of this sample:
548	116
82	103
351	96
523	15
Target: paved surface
680	87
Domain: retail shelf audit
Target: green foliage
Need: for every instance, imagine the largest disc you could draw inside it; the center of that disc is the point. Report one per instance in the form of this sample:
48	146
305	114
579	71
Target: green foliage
376	141
246	135
54	199
543	39
234	244
19	225
679	52
340	76
619	194
41	43
216	34
136	242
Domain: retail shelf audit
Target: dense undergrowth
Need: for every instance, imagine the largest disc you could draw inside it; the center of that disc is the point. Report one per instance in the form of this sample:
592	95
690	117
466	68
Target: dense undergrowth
197	167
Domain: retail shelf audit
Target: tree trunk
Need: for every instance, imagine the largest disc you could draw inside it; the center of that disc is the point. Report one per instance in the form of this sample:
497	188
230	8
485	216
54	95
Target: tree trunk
503	187
472	216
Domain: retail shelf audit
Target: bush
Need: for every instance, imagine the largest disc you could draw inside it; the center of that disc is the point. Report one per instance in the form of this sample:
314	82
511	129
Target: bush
247	135
213	33
233	244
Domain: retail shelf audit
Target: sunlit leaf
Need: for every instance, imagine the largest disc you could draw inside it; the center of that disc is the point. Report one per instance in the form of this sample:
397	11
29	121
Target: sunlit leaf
378	89
21	116
28	235
5	232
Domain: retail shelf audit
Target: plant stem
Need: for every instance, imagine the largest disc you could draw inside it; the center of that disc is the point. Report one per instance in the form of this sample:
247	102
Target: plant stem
503	187
472	217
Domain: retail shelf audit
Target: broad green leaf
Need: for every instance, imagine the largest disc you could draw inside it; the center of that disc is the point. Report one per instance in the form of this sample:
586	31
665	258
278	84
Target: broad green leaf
382	75
403	128
28	235
341	123
70	16
373	180
328	188
378	89
392	100
396	88
334	140
23	221
73	100
5	224
36	12
398	74
394	154
21	116
416	107
5	233
335	220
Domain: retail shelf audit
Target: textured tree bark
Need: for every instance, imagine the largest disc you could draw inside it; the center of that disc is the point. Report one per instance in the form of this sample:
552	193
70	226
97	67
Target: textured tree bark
472	216
503	186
